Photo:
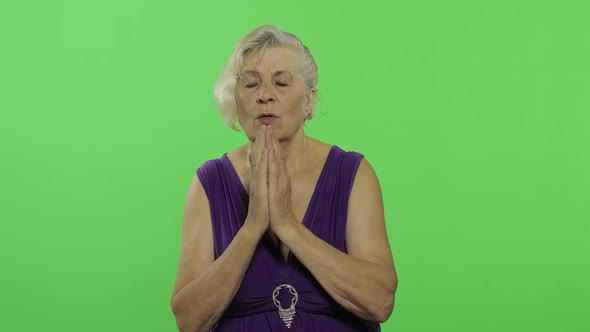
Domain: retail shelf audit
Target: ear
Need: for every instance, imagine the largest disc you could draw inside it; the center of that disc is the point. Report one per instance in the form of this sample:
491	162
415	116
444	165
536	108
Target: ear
310	100
311	95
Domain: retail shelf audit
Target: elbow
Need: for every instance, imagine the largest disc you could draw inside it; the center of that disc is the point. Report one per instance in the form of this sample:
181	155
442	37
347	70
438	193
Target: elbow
184	322
187	324
184	326
382	314
378	306
385	309
187	321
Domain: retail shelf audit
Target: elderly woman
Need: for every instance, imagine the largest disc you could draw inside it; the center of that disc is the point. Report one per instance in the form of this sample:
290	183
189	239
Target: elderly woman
285	233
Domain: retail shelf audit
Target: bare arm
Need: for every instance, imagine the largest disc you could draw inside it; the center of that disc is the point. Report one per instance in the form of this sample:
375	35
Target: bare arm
363	281
205	286
200	296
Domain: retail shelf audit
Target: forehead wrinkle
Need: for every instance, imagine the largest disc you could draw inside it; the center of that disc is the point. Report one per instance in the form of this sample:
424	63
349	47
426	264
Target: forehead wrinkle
281	72
274	74
250	72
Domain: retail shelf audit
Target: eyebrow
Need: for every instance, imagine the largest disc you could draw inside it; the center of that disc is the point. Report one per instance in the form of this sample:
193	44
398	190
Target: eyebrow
274	74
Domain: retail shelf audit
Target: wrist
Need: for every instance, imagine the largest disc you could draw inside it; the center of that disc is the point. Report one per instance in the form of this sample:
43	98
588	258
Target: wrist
287	228
252	230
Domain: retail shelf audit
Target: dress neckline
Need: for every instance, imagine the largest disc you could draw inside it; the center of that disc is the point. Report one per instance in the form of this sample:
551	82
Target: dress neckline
312	200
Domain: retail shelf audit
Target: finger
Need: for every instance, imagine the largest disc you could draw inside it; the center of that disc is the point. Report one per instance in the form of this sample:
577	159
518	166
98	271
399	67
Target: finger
255	160
262	176
272	161
249	152
274	142
276	148
268	137
280	165
270	146
263	138
256	149
252	148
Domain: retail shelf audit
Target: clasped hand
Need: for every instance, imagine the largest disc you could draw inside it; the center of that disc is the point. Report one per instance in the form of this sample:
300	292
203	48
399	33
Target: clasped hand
270	185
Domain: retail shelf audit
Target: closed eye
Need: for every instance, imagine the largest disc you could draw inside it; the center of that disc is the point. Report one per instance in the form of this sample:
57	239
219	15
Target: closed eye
251	85
282	84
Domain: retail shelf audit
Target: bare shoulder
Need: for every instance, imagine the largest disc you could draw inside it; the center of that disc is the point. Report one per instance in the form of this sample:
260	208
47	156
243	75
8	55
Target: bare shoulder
319	151
238	156
366	236
366	191
319	145
366	180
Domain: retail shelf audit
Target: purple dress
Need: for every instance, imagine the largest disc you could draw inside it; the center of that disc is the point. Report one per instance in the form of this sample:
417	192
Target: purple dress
253	308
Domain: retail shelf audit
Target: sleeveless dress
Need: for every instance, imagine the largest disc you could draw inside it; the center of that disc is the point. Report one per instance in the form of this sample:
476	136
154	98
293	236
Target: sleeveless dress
253	308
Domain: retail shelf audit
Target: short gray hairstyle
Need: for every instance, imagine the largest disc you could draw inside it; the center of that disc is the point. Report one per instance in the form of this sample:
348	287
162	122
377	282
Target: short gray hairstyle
258	40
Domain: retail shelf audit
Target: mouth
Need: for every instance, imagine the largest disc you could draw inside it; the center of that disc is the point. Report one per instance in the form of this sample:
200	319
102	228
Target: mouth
266	118
266	115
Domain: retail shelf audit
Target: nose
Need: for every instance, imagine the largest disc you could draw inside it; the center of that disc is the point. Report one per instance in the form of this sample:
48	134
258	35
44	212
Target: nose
265	96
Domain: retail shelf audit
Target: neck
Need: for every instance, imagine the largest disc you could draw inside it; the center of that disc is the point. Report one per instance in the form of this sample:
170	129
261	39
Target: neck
294	151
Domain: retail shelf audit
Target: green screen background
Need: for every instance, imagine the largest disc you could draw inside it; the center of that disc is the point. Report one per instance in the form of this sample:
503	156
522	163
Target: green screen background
474	115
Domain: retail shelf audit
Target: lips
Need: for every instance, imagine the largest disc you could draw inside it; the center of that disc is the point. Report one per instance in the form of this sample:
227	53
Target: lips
266	118
267	115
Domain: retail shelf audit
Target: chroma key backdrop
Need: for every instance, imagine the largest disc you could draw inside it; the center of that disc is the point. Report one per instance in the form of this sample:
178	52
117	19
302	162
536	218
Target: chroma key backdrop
473	113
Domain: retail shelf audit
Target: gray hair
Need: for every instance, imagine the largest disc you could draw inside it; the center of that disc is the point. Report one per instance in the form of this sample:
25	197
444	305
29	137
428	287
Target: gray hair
258	40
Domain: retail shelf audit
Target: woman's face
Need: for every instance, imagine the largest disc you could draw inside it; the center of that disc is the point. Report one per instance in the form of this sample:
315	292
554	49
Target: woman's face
272	92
